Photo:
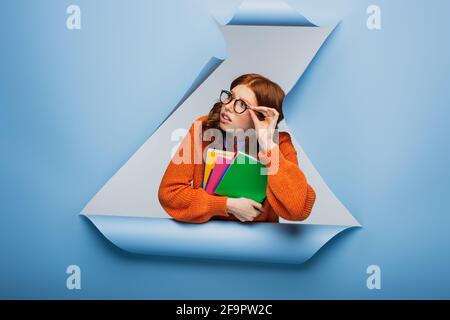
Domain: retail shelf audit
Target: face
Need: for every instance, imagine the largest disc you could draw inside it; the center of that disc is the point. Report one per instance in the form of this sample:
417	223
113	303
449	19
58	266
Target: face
229	119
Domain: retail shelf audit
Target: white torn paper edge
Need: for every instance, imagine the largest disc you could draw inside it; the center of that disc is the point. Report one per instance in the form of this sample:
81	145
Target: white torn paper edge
283	52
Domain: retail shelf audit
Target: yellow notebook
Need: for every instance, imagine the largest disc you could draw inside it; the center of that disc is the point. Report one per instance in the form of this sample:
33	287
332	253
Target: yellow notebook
211	157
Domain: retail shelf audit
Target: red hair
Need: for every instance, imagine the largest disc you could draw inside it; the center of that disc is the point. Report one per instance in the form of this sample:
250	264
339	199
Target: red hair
267	92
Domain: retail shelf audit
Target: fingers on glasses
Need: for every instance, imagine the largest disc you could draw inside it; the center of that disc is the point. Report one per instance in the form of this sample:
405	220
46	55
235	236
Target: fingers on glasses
266	111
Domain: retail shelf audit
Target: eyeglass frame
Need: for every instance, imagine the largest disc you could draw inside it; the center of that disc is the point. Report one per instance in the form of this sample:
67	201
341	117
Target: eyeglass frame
230	94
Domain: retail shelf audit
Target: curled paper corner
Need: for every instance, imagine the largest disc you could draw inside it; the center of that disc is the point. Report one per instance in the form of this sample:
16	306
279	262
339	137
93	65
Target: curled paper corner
260	12
208	68
204	73
126	209
222	11
269	13
264	13
270	242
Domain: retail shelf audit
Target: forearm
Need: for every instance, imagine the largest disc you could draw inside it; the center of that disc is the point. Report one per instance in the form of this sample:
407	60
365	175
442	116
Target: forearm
184	203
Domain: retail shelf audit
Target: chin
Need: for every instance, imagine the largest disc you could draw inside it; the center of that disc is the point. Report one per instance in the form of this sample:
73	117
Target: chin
224	126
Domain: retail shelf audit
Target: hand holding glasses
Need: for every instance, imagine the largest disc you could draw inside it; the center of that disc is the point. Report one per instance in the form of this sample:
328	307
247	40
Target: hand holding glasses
239	105
264	118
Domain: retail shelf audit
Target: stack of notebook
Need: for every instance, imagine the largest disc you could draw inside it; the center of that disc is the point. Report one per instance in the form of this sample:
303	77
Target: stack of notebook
234	175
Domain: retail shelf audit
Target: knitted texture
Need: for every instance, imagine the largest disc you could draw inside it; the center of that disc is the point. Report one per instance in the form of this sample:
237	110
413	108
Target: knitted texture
288	193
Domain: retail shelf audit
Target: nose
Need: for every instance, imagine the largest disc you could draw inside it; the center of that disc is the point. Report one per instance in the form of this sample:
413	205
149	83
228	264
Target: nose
230	106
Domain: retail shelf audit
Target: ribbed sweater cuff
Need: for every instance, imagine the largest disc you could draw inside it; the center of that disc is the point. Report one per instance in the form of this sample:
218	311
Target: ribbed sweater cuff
310	199
217	205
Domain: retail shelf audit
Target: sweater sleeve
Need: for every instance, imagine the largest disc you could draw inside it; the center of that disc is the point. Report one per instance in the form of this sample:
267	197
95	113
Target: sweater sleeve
176	192
288	191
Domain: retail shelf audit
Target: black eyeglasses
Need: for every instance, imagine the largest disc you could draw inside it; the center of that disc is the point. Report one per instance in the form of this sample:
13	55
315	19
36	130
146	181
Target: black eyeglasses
239	105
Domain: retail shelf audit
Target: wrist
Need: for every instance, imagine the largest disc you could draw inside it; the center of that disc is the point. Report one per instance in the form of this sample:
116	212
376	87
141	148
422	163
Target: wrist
266	145
231	204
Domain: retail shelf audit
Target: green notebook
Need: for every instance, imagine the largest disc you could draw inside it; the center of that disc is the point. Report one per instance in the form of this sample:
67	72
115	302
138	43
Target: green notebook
243	179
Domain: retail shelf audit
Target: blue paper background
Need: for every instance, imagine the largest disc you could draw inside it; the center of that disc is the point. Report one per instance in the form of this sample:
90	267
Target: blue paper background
372	113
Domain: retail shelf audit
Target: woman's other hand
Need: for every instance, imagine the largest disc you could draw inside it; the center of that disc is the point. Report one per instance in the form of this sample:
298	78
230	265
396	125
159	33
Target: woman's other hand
244	209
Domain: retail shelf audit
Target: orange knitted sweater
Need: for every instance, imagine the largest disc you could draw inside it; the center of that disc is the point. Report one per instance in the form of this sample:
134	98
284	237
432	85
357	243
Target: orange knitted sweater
288	194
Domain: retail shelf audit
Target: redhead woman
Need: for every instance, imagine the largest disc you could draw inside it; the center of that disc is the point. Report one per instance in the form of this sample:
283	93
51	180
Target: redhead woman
253	103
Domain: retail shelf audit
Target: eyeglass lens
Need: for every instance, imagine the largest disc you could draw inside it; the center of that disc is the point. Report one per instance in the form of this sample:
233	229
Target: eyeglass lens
239	105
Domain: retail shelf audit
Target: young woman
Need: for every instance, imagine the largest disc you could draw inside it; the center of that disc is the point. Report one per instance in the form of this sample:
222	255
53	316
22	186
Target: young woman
253	102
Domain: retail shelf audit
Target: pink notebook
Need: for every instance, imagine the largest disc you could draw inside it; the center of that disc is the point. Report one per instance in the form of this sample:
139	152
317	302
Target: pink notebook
217	173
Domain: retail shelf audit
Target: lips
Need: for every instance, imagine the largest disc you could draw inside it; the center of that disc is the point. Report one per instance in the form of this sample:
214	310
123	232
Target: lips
224	118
